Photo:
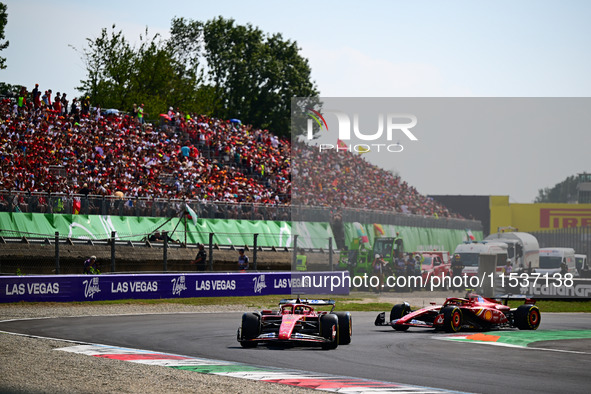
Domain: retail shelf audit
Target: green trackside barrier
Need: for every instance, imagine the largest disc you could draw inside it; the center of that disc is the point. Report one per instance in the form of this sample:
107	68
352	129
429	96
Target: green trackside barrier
311	235
414	238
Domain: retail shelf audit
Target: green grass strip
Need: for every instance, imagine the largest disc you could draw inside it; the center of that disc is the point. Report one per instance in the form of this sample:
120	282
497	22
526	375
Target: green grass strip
524	338
220	368
353	303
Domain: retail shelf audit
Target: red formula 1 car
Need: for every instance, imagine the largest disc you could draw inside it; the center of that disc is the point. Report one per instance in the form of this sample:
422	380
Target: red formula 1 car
297	322
473	312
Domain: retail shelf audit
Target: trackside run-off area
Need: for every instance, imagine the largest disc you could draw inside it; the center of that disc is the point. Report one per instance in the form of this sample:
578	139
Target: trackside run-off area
291	377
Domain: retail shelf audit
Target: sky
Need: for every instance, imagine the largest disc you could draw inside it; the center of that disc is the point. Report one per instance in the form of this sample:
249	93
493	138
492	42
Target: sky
396	48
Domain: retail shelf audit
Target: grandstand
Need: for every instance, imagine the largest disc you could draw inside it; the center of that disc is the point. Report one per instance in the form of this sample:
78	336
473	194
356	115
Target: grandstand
65	160
46	152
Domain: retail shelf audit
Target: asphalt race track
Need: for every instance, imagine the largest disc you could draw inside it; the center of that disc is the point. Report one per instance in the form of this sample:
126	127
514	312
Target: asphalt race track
417	357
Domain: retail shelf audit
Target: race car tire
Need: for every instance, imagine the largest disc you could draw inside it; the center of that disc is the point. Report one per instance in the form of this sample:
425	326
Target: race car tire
452	319
328	323
527	317
397	312
345	327
251	328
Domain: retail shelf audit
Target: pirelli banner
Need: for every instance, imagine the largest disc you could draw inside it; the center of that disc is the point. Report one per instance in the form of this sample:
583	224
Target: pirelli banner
68	288
537	217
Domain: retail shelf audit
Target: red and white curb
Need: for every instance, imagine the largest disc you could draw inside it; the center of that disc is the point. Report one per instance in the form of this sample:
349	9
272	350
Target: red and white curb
323	382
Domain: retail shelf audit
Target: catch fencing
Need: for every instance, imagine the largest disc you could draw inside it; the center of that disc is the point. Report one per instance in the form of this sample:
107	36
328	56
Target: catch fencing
25	253
40	202
578	238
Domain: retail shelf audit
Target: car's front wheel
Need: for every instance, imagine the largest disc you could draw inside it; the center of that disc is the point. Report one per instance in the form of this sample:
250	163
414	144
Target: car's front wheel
345	327
250	329
329	329
452	319
398	311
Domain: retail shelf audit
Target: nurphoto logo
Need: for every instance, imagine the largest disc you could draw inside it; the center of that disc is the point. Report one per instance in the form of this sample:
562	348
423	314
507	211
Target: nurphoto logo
389	127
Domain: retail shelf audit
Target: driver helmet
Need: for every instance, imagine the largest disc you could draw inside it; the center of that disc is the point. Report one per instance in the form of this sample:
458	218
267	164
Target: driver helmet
377	256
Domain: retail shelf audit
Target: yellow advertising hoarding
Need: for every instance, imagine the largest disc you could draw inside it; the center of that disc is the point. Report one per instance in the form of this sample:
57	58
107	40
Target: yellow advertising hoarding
537	217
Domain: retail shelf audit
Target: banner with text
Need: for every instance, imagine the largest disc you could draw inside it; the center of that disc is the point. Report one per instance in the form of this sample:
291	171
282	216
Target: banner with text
67	288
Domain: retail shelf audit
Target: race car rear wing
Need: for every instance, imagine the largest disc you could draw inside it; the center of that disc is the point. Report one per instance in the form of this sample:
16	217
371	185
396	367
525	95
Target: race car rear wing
320	302
506	297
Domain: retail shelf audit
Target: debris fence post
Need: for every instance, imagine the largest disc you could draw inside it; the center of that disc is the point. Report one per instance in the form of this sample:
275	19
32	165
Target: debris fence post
330	263
165	252
254	253
211	251
295	253
113	236
57	253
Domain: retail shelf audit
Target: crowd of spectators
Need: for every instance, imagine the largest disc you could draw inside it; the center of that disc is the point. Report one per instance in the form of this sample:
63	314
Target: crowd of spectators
346	180
60	147
61	150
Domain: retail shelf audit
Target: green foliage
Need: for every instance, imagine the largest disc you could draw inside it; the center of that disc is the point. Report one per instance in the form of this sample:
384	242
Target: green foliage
110	64
120	75
353	303
563	192
8	89
216	68
254	75
3	44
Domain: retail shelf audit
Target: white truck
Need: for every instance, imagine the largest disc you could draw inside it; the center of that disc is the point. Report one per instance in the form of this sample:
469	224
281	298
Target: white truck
523	249
470	253
581	261
552	258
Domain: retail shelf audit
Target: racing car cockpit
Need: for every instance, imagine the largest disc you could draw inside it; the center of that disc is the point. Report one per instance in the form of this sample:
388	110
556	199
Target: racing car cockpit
297	309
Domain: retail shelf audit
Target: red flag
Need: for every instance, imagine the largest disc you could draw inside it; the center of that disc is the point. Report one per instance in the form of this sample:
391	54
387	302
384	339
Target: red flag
76	205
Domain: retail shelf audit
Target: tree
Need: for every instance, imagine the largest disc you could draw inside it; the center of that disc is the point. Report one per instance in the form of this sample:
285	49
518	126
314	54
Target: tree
252	76
3	22
217	68
120	74
563	192
110	62
160	81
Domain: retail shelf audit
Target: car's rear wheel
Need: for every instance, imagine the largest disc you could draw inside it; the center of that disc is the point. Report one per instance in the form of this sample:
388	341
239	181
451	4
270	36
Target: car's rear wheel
329	329
527	317
452	319
345	327
250	329
398	311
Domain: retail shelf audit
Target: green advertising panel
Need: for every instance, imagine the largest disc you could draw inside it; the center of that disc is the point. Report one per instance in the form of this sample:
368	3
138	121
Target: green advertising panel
415	238
311	235
225	231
